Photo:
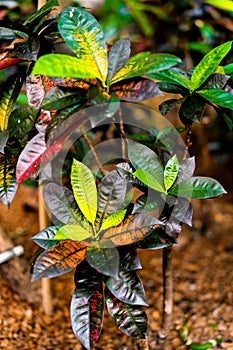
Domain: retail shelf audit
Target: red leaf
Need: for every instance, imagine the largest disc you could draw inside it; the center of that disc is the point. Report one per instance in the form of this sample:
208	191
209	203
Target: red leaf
137	89
7	61
29	160
59	259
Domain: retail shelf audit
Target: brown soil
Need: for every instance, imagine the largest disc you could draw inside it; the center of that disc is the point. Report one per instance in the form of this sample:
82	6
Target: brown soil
203	285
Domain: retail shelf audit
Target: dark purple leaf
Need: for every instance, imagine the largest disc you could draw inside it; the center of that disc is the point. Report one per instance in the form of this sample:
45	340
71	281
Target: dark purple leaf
158	239
59	200
131	320
111	196
129	259
87	315
127	288
117	57
104	257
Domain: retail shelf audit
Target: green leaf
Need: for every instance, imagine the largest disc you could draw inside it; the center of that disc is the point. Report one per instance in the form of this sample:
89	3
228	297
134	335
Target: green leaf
228	69
171	88
8	96
226	117
198	187
59	98
21	121
171	172
87	313
173	77
113	219
74	232
149	180
117	57
139	65
208	64
219	97
226	5
158	239
62	66
42	11
45	238
192	108
104	258
130	319
142	157
127	288
84	188
165	106
59	259
83	34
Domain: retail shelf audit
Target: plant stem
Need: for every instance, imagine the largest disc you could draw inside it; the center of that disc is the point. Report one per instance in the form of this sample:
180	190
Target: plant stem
167	298
122	133
84	135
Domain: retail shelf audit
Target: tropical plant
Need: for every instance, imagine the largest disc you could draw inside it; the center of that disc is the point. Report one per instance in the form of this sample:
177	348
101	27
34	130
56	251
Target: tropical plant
101	216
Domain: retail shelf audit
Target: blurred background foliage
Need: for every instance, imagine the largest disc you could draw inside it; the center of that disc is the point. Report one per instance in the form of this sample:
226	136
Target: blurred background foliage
186	28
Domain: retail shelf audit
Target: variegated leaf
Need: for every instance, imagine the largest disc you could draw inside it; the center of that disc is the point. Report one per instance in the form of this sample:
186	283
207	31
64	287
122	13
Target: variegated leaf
87	315
131	230
144	64
29	160
130	319
8	95
117	57
137	89
59	259
83	34
84	188
127	288
45	238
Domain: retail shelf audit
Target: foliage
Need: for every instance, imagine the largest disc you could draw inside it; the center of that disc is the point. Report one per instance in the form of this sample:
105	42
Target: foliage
100	218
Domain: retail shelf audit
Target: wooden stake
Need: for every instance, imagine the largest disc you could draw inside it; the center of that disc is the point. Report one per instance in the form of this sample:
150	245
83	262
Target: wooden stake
45	282
41	3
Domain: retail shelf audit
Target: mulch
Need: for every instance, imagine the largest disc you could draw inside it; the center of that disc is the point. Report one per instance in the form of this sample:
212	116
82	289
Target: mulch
203	289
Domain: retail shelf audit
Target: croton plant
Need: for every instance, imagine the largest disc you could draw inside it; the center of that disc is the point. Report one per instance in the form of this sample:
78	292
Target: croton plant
76	84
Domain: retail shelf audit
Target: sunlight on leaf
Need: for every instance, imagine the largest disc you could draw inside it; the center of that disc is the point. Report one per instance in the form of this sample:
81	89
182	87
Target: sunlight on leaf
113	219
84	188
208	64
74	232
83	34
171	171
62	66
